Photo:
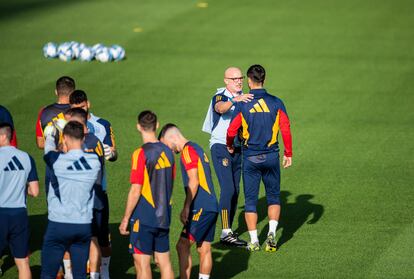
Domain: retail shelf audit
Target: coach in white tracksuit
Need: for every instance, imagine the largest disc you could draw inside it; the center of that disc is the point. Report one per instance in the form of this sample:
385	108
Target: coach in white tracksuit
226	165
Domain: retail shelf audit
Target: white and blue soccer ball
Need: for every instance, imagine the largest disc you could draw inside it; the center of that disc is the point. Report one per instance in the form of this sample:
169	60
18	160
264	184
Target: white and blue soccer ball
77	48
96	47
86	54
50	50
62	48
103	55
117	52
65	53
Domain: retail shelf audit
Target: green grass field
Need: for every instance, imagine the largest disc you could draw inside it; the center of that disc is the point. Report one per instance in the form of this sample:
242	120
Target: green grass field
343	68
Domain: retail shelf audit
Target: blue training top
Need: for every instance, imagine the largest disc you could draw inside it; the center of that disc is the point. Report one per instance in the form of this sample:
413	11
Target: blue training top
73	175
17	168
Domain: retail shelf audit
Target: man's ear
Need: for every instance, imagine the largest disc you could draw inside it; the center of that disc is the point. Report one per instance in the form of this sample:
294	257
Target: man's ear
64	145
157	126
139	128
88	104
56	92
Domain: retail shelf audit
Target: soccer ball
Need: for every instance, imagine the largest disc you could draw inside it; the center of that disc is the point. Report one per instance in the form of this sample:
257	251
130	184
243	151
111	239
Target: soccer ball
96	47
103	55
63	47
50	50
117	52
86	54
77	48
66	54
74	46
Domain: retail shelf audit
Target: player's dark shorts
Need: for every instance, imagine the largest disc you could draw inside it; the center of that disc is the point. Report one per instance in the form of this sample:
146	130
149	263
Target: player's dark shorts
61	237
14	231
264	167
201	226
147	240
100	222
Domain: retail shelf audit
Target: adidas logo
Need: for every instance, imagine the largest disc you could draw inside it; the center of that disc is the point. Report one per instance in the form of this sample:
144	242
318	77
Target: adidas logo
163	162
77	165
14	165
260	106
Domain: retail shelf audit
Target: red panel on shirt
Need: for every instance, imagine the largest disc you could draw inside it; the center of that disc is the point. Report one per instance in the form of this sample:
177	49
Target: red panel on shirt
39	130
284	126
189	157
138	167
233	129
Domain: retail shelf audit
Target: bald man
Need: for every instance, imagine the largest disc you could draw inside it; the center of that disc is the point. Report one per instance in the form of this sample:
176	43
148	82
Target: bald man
199	213
226	165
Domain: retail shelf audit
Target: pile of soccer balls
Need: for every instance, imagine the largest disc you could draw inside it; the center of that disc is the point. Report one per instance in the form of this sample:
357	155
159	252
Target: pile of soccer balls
68	51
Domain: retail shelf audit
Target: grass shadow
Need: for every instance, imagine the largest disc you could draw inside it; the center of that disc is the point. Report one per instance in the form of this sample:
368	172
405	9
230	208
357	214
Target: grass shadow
296	214
121	260
228	262
9	9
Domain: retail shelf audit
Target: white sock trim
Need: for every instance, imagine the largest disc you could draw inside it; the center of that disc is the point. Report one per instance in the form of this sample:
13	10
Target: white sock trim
272	226
253	236
225	232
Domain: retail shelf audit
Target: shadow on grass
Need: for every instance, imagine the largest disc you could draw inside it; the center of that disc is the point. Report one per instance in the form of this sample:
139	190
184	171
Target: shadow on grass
227	262
9	9
121	260
294	215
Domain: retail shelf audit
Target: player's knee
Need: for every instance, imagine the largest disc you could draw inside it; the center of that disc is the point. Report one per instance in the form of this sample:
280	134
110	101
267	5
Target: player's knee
204	249
22	263
182	245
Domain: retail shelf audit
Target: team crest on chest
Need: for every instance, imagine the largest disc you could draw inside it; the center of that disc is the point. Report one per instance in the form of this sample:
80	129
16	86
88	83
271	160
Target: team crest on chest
225	162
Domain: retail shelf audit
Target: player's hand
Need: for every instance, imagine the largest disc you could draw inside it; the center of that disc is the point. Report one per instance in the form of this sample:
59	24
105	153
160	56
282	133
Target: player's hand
245	98
108	152
123	227
287	162
230	149
184	215
60	124
49	131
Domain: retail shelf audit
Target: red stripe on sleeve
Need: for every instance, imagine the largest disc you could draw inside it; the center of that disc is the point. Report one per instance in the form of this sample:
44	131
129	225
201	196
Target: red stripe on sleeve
138	168
39	130
284	126
189	157
233	129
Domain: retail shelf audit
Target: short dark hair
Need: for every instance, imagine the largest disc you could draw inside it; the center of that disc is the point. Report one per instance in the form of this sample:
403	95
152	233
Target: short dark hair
256	73
165	128
6	129
78	96
74	129
78	112
147	120
65	86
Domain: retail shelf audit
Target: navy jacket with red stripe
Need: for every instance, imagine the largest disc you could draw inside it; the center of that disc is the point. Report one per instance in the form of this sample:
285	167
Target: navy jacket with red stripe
259	122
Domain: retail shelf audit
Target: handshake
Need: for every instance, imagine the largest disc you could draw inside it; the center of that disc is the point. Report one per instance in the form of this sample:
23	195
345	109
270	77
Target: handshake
56	128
